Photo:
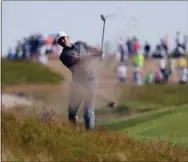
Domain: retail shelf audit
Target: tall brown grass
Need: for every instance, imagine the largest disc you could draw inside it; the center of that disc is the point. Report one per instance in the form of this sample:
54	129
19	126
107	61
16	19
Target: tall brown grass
29	138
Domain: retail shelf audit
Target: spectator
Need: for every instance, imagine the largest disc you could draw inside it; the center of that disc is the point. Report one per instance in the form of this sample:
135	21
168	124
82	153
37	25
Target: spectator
138	63
10	54
164	46
158	77
123	51
163	68
149	78
25	48
19	51
136	45
129	46
158	52
34	44
177	39
147	49
49	45
184	45
43	59
122	72
182	69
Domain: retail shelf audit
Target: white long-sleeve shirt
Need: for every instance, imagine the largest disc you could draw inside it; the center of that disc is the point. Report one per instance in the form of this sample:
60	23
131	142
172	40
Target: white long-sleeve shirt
122	71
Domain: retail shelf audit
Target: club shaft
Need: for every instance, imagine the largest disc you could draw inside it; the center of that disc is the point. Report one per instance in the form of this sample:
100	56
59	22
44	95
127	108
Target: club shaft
102	41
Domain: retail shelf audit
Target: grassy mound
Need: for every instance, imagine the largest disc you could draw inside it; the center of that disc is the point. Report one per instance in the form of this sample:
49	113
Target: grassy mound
28	138
27	72
161	95
144	99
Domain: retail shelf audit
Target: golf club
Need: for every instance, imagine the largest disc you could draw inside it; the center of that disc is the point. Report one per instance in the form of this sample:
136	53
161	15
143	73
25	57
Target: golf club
109	102
102	41
103	18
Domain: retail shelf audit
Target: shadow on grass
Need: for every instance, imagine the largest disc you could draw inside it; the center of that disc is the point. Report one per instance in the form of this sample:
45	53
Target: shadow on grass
132	122
128	110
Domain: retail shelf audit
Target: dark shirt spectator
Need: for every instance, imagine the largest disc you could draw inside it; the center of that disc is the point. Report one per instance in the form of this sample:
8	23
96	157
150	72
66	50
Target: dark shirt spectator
147	49
158	52
10	54
184	45
129	46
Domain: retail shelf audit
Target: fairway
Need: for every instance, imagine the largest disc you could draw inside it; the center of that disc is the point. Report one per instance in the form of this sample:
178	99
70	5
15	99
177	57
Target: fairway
167	125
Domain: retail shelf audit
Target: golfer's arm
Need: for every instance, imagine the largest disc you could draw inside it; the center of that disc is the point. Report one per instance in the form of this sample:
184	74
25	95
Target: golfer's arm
92	50
83	58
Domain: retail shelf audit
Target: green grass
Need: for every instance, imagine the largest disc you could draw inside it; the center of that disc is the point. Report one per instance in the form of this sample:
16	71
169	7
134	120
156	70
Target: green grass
161	113
157	95
168	124
29	139
136	100
26	72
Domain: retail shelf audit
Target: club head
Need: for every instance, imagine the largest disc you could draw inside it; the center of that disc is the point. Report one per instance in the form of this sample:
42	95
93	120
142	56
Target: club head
102	18
111	105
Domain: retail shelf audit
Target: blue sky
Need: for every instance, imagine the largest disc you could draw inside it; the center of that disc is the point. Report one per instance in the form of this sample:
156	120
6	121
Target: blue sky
81	19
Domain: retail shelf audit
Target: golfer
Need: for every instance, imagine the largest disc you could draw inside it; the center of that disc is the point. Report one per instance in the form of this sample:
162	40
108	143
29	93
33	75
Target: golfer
77	58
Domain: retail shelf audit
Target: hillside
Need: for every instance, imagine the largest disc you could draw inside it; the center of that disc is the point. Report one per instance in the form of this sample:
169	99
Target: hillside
27	72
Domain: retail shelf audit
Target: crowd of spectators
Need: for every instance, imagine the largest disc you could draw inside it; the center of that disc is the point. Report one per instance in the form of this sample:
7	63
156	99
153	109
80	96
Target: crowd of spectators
33	46
132	45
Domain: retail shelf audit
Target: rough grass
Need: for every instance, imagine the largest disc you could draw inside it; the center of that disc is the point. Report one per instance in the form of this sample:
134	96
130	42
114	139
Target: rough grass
27	72
29	139
144	99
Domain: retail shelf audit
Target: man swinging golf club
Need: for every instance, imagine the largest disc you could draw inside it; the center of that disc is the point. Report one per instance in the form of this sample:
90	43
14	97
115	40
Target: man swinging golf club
77	57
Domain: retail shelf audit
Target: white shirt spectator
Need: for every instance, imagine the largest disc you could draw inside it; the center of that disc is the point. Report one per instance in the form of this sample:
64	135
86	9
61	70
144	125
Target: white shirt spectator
162	63
183	74
122	71
43	59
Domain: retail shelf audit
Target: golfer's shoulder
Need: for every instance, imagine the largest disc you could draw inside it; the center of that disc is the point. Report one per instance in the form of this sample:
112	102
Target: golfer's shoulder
88	47
80	43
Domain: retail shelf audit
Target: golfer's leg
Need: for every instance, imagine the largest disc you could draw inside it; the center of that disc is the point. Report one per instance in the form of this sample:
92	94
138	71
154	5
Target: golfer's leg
89	106
74	103
89	114
72	112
